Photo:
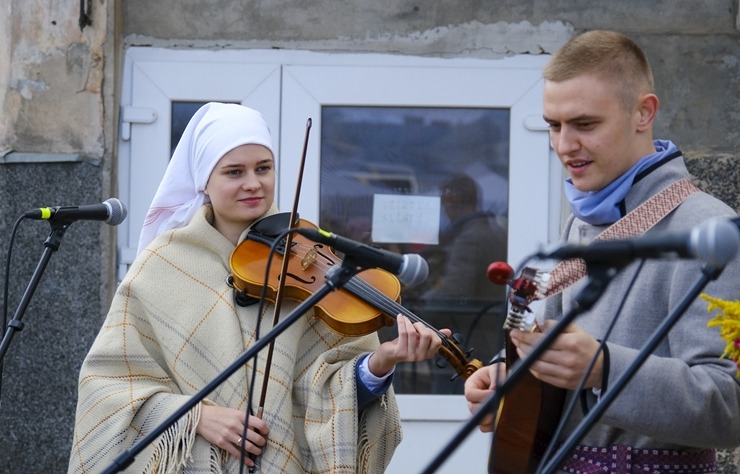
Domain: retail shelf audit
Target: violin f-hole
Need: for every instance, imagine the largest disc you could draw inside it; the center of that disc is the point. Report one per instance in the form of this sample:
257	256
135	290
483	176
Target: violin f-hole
310	281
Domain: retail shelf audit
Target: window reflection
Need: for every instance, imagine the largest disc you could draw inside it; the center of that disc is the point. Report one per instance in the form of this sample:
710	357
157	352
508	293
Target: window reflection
460	156
181	113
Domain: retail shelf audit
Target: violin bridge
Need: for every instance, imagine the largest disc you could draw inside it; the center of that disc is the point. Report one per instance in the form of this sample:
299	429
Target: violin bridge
309	258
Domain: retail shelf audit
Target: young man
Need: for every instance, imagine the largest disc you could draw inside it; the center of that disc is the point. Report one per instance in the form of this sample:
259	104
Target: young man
684	402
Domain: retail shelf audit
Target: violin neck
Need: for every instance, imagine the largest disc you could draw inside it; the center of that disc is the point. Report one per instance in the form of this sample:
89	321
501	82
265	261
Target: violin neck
379	300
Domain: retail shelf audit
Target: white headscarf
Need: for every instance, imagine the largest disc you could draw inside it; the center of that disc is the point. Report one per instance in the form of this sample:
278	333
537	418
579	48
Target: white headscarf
214	130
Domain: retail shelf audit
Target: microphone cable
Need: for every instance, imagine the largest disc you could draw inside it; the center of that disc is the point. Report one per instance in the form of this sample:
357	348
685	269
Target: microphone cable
6	293
568	411
499	310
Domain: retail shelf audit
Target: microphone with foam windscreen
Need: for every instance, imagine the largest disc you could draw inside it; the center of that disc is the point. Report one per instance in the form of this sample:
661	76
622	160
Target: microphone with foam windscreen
411	269
112	212
714	242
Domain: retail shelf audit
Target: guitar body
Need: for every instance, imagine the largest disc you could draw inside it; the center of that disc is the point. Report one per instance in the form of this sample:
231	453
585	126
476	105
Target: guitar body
527	418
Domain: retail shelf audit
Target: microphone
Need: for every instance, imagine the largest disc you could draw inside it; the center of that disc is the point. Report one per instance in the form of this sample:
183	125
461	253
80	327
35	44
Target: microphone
112	212
411	269
714	242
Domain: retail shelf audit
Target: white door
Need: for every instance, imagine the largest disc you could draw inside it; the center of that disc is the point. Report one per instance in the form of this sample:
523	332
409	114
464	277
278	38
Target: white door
290	87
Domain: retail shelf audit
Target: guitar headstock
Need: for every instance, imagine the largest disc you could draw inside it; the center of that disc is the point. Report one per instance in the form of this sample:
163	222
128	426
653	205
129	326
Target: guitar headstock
528	287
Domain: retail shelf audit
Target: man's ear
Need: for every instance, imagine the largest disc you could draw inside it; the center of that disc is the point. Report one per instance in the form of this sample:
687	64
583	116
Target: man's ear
648	110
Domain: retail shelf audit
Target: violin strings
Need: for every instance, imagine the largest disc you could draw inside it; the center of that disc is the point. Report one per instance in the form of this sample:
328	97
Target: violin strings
372	295
369	293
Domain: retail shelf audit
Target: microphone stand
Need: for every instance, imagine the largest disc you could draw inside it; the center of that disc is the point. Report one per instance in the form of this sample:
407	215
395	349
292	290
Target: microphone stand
334	281
50	246
607	398
600	274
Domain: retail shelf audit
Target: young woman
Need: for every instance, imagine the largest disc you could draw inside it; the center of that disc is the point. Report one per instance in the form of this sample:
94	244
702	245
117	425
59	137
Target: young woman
173	326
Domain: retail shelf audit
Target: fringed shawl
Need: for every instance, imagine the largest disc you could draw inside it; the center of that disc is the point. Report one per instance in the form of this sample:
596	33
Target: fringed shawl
173	327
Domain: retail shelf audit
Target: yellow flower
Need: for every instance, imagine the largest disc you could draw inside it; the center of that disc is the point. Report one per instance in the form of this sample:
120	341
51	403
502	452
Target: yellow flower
728	321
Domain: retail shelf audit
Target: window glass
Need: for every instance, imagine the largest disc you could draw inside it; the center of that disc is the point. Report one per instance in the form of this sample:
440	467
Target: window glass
182	112
430	181
455	162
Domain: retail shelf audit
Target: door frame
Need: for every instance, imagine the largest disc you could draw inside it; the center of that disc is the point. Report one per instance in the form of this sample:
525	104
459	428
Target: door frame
290	86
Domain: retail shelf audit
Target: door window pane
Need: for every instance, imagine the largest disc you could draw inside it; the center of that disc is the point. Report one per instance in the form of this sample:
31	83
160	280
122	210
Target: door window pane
456	161
182	112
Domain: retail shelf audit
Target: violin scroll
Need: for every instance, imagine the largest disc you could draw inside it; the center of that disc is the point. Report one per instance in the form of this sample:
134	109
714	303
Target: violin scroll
462	363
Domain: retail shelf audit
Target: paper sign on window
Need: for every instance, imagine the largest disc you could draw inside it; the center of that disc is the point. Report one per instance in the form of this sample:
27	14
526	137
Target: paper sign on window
405	219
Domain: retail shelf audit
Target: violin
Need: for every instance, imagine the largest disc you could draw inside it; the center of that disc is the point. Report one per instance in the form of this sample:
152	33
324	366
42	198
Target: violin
368	302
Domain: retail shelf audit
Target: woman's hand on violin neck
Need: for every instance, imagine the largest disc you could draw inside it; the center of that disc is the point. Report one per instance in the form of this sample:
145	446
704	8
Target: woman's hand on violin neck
223	427
415	342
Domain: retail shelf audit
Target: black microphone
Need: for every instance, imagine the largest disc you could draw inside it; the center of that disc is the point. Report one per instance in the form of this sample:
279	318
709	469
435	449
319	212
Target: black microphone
714	242
112	212
411	269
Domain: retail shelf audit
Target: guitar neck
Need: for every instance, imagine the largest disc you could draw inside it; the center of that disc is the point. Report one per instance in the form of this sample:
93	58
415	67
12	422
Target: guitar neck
509	350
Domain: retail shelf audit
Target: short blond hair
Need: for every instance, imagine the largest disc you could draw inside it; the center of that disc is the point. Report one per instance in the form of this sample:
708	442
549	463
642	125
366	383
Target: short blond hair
606	54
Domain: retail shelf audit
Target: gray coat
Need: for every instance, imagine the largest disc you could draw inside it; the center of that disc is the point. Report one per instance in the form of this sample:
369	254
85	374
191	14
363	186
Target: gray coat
684	396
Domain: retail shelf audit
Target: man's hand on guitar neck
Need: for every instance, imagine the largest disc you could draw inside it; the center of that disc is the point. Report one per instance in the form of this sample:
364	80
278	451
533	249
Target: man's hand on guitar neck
566	361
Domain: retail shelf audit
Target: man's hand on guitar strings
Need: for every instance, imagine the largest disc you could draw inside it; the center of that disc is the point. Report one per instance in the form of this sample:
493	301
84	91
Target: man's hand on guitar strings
479	387
565	362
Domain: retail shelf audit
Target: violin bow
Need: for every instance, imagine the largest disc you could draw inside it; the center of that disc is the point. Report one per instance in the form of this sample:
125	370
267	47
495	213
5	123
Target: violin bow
283	272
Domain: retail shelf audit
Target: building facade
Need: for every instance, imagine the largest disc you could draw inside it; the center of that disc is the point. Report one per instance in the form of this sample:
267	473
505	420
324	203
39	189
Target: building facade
65	88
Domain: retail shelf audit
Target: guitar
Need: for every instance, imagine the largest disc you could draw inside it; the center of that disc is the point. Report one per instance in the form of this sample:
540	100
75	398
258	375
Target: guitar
529	413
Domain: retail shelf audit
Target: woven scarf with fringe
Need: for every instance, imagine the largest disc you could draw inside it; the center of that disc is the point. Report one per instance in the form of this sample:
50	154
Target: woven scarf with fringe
173	327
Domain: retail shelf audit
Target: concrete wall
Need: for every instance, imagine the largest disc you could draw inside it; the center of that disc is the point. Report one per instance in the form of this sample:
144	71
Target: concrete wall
694	47
58	111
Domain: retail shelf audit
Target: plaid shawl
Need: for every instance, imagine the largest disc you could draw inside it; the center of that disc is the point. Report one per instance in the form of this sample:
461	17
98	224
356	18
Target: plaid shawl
173	327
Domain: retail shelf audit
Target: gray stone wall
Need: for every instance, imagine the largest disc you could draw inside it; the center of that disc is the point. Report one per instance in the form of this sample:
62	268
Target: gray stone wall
39	385
58	96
